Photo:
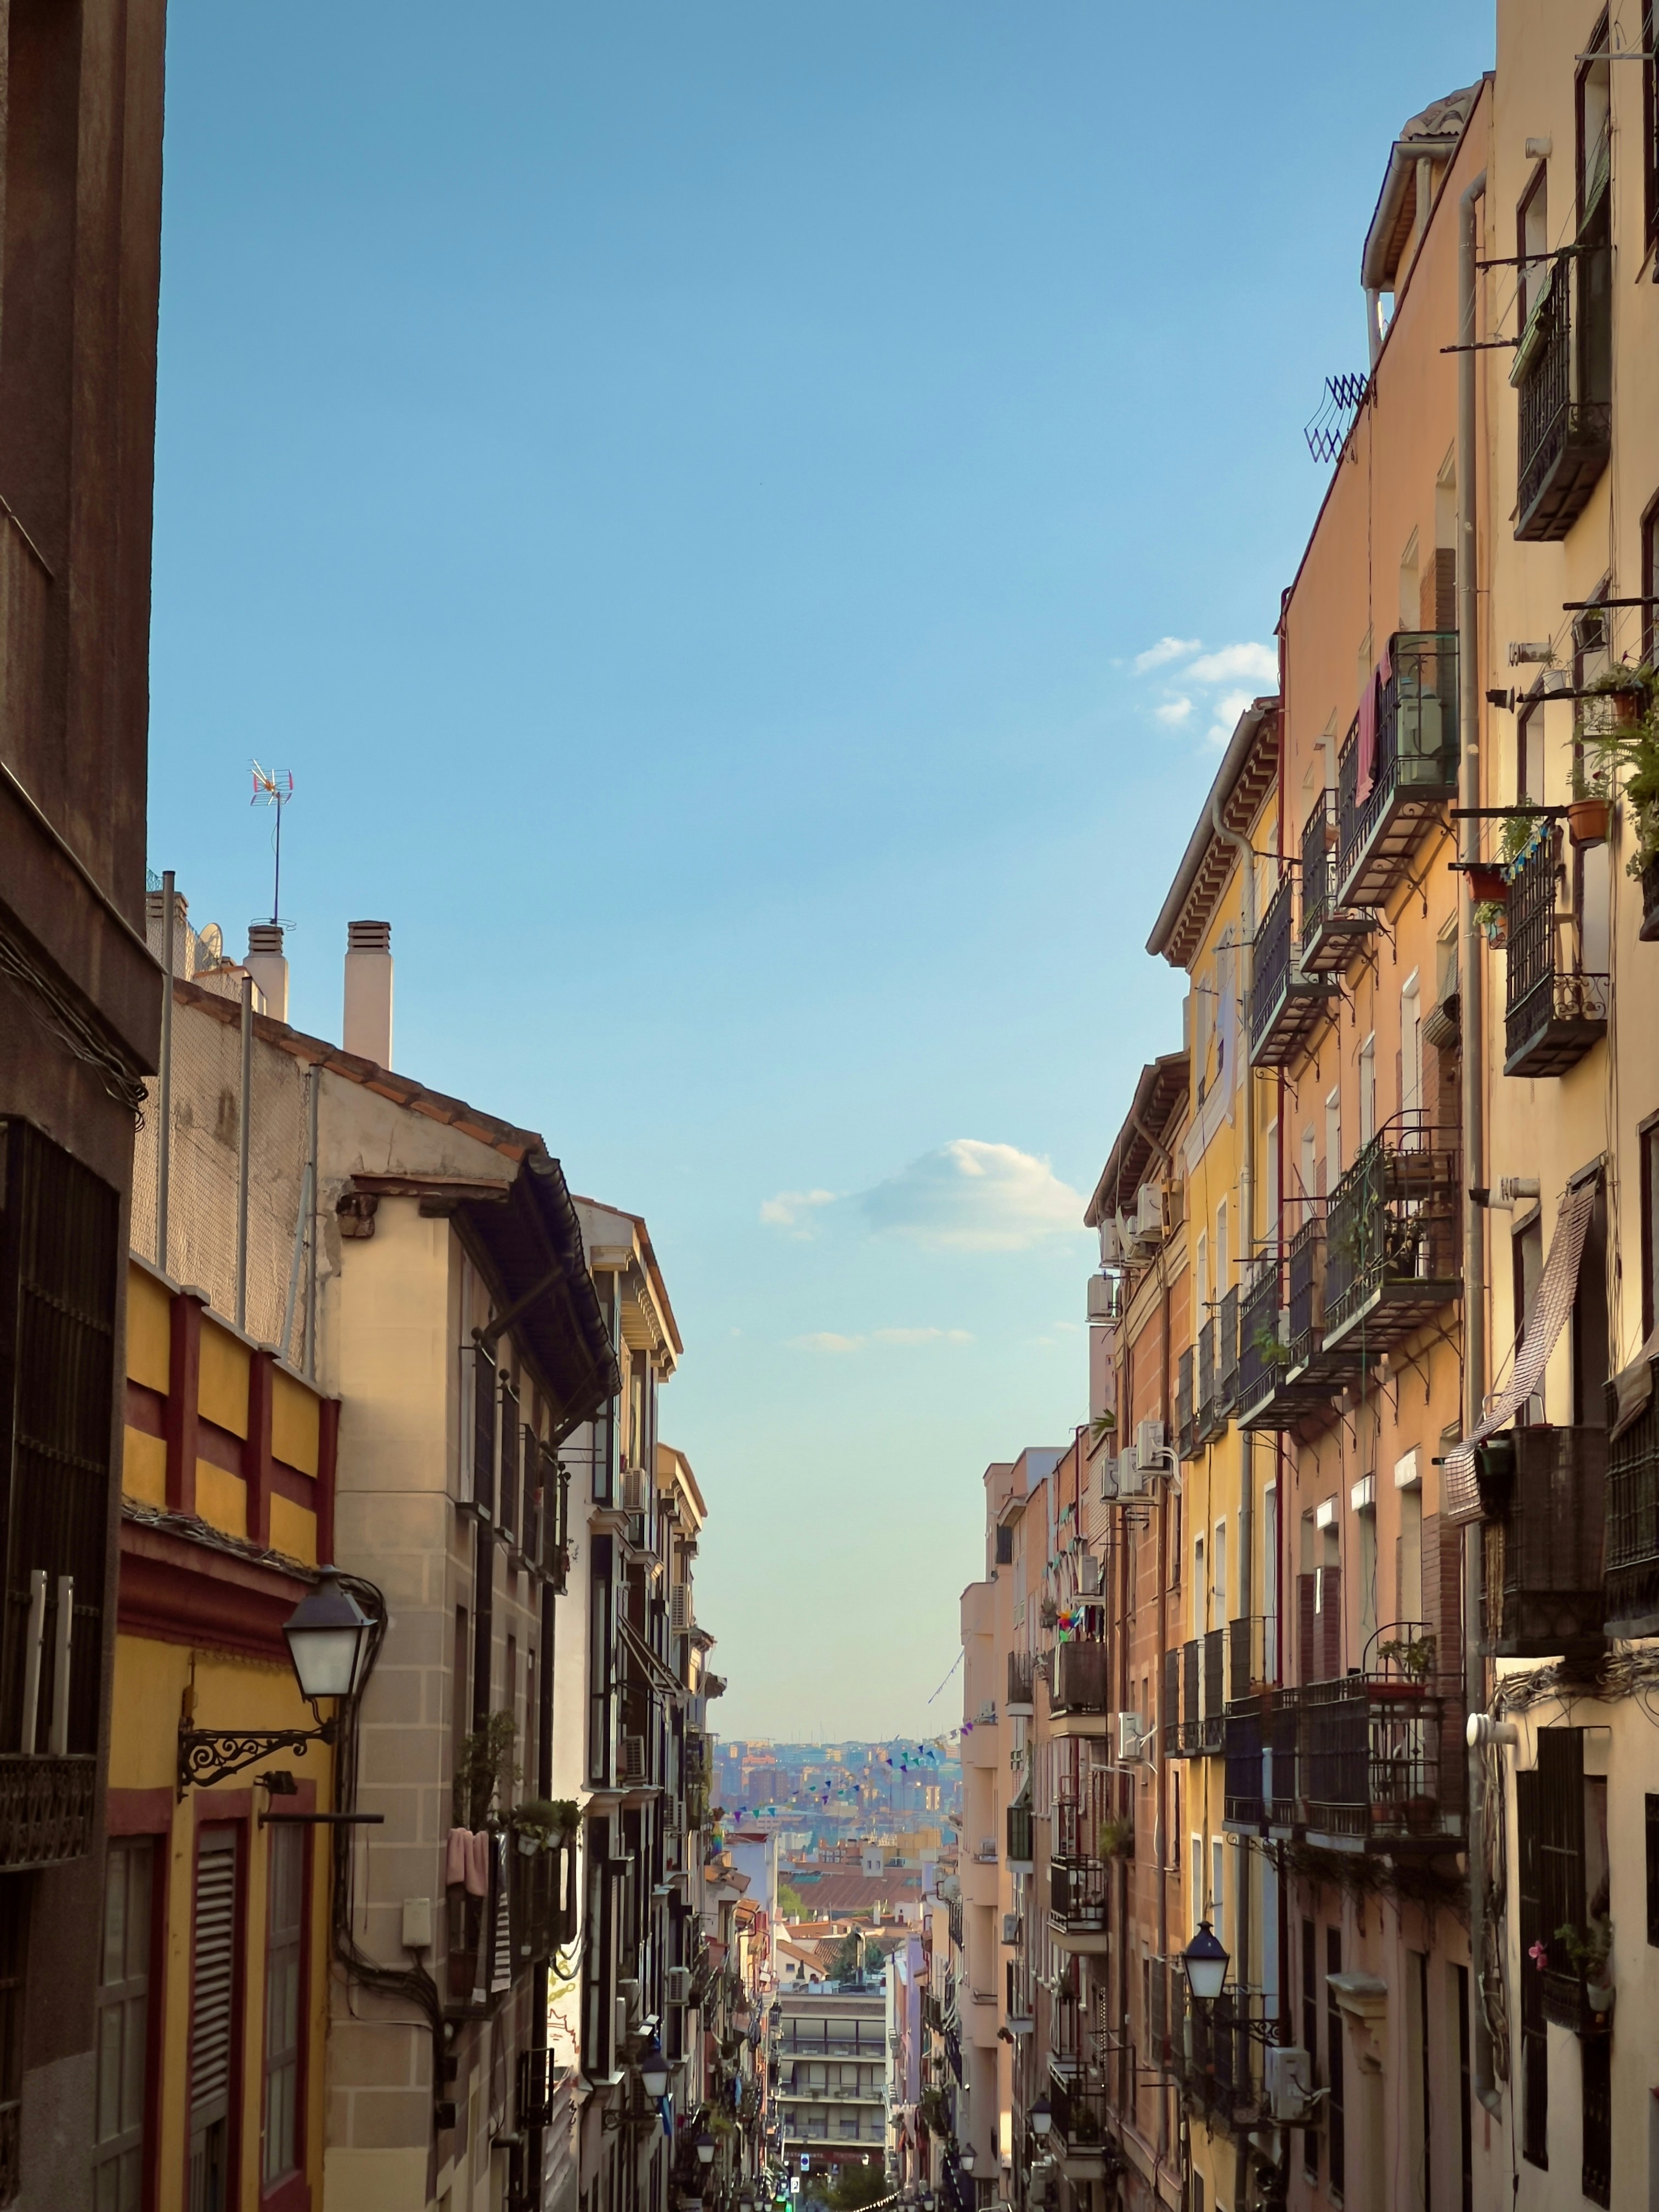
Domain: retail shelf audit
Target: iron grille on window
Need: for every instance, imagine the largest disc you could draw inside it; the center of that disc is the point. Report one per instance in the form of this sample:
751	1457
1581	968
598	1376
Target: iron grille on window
59	1273
483	1433
1632	1545
1259	1347
1386	791
1186	1410
1565	417
1306	1271
1554	1009
1228	1354
1318	874
1392	1228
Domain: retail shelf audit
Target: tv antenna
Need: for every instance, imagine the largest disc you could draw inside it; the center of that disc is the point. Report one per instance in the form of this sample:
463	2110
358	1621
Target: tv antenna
276	787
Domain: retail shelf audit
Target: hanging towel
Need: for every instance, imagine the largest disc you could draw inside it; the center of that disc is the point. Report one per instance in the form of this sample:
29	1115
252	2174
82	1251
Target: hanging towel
478	1864
455	1857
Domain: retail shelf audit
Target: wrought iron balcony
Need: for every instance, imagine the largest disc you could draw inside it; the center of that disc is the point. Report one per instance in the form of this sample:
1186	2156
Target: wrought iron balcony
1368	1763
1022	1684
1221	2065
1227	1353
1565	425
1249	1653
1384	803
1282	1729
45	1809
1211	1720
1079	2128
1393	1235
1186	1406
1632	1538
1079	1677
1244	1804
1172	1747
1192	1709
1271	1395
1080	1890
1555	1010
1331	934
1208	1383
1542	1551
1288	1004
1019	1839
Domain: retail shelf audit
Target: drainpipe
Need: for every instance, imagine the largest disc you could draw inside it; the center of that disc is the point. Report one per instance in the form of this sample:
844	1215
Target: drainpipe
1241	845
1474	1155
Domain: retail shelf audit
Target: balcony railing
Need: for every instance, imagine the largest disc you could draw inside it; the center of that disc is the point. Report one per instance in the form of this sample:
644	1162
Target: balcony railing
45	1809
1369	1766
1250	1653
1186	1407
1192	1722
1215	1690
1565	421
1385	800
1544	1591
1244	1805
1021	1683
1019	1837
1632	1539
1078	1897
1221	2063
1287	1004
1393	1233
1172	1747
1331	934
1555	1010
1208	1382
1227	1353
1079	1677
1282	1726
1080	2127
1272	1394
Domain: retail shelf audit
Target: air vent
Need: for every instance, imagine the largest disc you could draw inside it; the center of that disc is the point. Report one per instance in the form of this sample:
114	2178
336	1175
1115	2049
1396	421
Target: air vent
631	1764
679	1985
634	1496
679	1609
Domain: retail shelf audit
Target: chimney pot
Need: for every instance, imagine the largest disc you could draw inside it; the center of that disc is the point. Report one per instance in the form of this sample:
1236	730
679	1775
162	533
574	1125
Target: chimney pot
367	1029
268	966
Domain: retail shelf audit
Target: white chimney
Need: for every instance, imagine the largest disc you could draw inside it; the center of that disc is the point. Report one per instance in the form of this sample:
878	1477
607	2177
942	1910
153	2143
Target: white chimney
367	1030
268	966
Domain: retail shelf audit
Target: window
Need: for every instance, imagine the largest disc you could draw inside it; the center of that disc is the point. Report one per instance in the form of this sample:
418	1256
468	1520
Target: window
1312	1184
1529	1915
1218	1890
212	2018
1650	569
1526	1265
1220	1555
601	1633
1201	1279
1531	239
284	1985
1368	1089
483	1432
1651	1809
1650	151
1530	751
1410	1054
1596	2173
123	2083
1460	1980
1594	101
1221	1249
1311	2038
1332	1138
1650	1171
1197	1912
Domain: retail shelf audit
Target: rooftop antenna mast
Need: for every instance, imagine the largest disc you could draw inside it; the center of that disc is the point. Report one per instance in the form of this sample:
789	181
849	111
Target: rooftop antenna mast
276	787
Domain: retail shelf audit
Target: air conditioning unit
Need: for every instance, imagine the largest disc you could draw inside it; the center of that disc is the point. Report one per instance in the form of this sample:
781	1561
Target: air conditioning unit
1150	1447
1111	1244
679	1985
1288	2079
1010	1928
679	1609
635	1496
988	1847
630	1764
1103	1298
1148	1222
1090	1574
1131	1481
1131	1738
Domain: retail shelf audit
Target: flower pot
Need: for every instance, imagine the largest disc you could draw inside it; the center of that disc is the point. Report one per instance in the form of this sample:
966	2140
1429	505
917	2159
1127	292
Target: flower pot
1587	821
1628	708
1598	1996
1488	886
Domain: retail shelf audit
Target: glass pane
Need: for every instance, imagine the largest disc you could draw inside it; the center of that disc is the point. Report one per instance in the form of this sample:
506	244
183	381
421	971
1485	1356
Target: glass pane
115	1915
139	1856
109	2072
134	2054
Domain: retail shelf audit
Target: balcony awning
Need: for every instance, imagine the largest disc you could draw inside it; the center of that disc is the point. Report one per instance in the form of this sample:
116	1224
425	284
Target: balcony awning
658	1677
1546	1317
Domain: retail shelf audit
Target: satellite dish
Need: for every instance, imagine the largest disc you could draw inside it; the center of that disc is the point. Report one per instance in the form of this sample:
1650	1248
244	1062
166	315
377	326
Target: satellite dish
212	942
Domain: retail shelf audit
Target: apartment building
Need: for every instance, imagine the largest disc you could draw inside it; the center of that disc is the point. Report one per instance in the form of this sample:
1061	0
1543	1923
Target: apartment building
80	1004
831	2055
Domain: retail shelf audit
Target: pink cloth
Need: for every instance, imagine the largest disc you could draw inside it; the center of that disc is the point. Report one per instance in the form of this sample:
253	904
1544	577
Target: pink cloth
455	1857
1371	699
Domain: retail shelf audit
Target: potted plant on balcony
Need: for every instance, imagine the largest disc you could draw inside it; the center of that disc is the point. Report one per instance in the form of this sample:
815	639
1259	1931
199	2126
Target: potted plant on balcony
1115	1838
1414	1656
1625	751
1589	1952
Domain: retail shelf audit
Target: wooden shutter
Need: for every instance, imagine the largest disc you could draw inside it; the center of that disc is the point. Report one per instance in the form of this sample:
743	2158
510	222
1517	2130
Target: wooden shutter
1330	1623
284	1977
212	2017
1306	1621
123	2027
528	1528
483	1432
1529	1914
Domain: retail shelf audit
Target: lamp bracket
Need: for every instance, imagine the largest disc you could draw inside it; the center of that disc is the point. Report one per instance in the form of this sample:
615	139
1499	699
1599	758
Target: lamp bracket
208	1755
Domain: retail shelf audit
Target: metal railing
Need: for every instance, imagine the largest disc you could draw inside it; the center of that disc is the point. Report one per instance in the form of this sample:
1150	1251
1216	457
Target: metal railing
1019	1834
1283	1726
1244	1801
1191	1707
1260	1350
1208	1381
1215	1692
1186	1408
1370	1761
1079	2113
1272	968
1318	872
1632	1538
1544	1591
1172	1746
1078	1895
1392	1228
1554	1009
1249	1653
1565	426
1413	765
1305	1269
1227	1352
1022	1682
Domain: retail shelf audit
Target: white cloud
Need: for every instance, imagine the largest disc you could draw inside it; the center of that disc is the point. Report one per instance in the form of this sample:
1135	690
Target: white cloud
1166	649
793	1209
1174	712
829	1340
1228	709
1235	664
971	1196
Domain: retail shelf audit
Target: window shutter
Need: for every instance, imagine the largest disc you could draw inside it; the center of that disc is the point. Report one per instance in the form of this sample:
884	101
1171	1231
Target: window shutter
1534	2060
1330	1622
212	1998
483	1433
528	1533
1306	1621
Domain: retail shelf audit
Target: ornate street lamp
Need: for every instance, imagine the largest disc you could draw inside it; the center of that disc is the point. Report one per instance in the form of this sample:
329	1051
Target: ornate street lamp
330	1641
1041	2116
965	2158
1205	1962
653	2073
705	2148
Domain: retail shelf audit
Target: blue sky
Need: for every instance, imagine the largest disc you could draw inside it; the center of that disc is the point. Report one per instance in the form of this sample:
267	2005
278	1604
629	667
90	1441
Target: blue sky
694	493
